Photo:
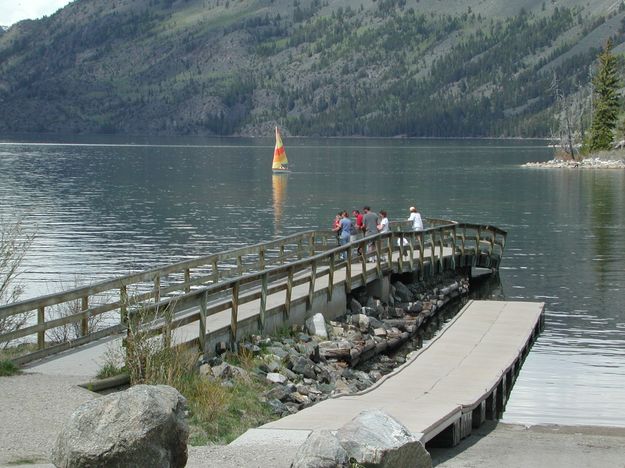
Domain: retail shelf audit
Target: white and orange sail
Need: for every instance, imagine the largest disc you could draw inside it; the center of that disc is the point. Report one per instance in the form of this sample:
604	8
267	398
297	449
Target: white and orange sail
280	162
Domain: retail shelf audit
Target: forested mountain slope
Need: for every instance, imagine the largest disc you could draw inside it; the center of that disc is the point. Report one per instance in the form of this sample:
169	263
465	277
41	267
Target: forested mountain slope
316	67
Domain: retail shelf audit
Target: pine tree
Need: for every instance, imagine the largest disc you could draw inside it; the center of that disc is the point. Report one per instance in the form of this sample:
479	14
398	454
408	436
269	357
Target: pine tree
605	86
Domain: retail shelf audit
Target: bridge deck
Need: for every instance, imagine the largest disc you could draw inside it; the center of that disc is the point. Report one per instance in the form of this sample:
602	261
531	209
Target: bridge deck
448	385
87	360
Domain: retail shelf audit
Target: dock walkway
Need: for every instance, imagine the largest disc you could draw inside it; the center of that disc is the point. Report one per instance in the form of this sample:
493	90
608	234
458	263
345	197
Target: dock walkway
450	386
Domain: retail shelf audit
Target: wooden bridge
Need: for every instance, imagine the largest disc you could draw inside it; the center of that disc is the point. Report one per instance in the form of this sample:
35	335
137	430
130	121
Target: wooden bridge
256	289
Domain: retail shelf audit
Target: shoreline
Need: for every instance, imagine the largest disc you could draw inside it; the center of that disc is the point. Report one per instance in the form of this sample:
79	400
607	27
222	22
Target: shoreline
587	163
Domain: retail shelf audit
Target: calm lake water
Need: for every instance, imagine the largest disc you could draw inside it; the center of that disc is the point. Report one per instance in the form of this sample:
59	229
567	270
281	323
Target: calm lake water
102	207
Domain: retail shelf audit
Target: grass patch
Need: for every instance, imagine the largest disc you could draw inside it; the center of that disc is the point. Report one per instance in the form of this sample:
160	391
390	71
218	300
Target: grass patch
109	369
8	368
219	411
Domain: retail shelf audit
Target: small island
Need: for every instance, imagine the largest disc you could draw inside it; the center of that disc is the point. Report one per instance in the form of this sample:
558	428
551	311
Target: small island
596	148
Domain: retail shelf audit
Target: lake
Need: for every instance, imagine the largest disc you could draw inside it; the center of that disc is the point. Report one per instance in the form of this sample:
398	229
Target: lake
104	206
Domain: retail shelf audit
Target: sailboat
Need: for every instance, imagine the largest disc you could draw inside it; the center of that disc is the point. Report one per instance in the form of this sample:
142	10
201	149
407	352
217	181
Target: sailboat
280	162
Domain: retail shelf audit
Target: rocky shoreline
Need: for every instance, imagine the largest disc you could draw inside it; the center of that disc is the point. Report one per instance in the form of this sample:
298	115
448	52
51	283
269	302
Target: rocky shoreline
326	359
586	163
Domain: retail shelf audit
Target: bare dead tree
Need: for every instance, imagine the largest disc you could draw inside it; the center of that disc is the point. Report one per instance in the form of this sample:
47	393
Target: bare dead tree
14	244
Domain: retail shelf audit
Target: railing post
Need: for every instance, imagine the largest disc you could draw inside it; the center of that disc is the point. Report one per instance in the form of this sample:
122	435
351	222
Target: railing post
215	271
300	248
263	302
234	316
348	271
363	261
157	289
289	292
187	280
239	265
432	250
313	278
41	334
281	254
421	251
441	251
331	277
202	336
411	250
84	322
168	314
261	258
453	247
378	253
400	250
123	304
311	244
389	248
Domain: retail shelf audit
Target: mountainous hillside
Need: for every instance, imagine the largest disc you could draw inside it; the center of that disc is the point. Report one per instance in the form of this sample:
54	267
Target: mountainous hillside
315	67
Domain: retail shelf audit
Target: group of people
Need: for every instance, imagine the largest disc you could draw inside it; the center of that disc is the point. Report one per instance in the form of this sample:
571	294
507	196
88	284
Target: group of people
368	223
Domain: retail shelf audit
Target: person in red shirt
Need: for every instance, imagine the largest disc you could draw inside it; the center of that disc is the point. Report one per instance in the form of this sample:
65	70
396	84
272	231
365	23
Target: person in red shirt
359	228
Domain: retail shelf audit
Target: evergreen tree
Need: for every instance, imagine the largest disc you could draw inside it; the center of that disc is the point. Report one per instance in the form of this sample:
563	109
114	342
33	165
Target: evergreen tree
605	86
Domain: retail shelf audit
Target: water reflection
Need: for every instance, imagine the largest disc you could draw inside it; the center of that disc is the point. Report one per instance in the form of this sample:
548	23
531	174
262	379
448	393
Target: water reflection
279	183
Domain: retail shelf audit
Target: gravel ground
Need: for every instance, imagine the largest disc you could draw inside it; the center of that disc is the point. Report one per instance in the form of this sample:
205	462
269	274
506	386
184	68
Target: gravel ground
33	408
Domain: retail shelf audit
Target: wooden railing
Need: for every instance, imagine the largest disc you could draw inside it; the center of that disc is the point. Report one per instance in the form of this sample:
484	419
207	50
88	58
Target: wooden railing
208	285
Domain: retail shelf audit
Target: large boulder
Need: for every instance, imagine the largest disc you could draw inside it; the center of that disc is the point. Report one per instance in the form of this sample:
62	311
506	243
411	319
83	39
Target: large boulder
402	292
142	426
316	325
375	439
320	450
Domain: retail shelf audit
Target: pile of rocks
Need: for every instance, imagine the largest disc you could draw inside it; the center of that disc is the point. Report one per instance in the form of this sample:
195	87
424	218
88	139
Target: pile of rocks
587	163
346	355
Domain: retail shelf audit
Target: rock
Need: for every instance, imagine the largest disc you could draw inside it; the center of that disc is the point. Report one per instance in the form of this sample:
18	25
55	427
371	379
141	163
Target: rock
304	337
370	311
289	374
221	348
316	325
251	348
396	312
415	307
402	292
227	371
355	307
303	366
320	450
361	321
300	399
277	407
375	439
206	370
278	351
142	426
274	377
278	392
310	350
215	361
379	332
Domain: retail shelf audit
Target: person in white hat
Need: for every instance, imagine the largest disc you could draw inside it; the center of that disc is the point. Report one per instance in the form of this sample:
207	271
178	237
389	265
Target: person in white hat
415	217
